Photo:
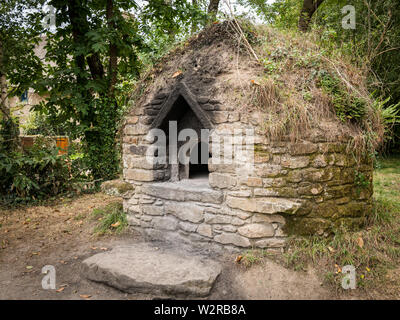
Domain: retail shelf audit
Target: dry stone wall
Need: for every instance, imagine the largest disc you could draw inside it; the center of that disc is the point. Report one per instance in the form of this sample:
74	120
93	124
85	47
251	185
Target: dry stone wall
307	187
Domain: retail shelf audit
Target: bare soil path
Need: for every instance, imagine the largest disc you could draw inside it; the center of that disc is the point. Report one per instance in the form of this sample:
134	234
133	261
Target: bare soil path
61	234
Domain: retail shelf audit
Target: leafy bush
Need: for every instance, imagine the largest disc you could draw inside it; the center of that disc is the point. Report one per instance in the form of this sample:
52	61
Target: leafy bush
33	174
348	107
39	123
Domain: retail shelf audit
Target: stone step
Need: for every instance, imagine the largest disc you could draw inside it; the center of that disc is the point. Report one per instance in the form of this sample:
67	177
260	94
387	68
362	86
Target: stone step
184	190
141	268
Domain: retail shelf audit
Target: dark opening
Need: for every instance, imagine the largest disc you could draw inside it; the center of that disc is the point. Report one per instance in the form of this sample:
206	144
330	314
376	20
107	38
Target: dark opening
198	165
182	113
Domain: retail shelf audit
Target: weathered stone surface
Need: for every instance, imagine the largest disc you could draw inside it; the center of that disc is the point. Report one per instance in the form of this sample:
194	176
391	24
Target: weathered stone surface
185	211
257	230
237	213
132	220
240	193
118	188
231	238
219	116
295	162
270	243
136	129
205	230
134	162
222	219
184	191
263	205
153	210
221	181
270	170
265	192
165	223
141	268
143	175
270	218
137	150
187	226
322	160
302	148
229	228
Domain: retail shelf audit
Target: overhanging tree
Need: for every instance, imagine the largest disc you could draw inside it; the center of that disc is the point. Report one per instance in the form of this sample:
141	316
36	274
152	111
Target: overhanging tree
308	9
20	68
97	46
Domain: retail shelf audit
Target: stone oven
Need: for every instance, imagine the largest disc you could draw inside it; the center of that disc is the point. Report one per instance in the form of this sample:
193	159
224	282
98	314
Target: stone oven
274	188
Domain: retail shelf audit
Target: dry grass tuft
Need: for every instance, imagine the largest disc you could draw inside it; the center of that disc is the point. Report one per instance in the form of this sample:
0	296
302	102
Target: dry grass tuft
304	86
299	87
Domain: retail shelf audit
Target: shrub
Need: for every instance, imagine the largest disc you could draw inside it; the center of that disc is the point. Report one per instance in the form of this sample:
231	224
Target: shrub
33	174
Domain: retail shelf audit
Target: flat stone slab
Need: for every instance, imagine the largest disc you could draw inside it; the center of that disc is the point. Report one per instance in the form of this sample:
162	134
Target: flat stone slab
184	190
140	268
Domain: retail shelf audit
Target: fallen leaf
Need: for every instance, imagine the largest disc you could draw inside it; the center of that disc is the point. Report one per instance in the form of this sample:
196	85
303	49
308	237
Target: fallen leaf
104	249
360	242
29	267
85	296
179	72
238	259
331	249
114	225
60	290
93	248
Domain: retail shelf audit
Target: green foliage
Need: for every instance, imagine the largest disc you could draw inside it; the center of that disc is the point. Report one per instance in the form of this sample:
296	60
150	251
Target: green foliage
95	54
110	219
281	13
8	134
347	106
19	34
39	124
34	174
373	45
390	114
360	181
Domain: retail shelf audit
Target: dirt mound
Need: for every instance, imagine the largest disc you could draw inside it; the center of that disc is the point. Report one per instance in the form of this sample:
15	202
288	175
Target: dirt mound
291	87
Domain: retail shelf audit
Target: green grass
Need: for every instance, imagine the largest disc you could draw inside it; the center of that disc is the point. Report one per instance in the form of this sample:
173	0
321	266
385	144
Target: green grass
373	251
111	219
252	257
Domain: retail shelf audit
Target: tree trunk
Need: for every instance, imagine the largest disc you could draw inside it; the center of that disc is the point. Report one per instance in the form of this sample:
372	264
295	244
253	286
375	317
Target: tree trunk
307	11
113	50
80	26
213	9
10	130
4	106
194	24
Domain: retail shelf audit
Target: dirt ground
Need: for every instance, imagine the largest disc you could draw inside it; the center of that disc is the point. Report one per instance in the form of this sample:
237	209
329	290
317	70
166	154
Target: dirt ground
61	234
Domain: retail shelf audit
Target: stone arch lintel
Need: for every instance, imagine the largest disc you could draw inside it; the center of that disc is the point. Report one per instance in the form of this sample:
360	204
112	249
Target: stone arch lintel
182	90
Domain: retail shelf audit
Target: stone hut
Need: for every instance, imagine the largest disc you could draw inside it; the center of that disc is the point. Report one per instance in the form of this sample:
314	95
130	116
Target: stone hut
280	185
